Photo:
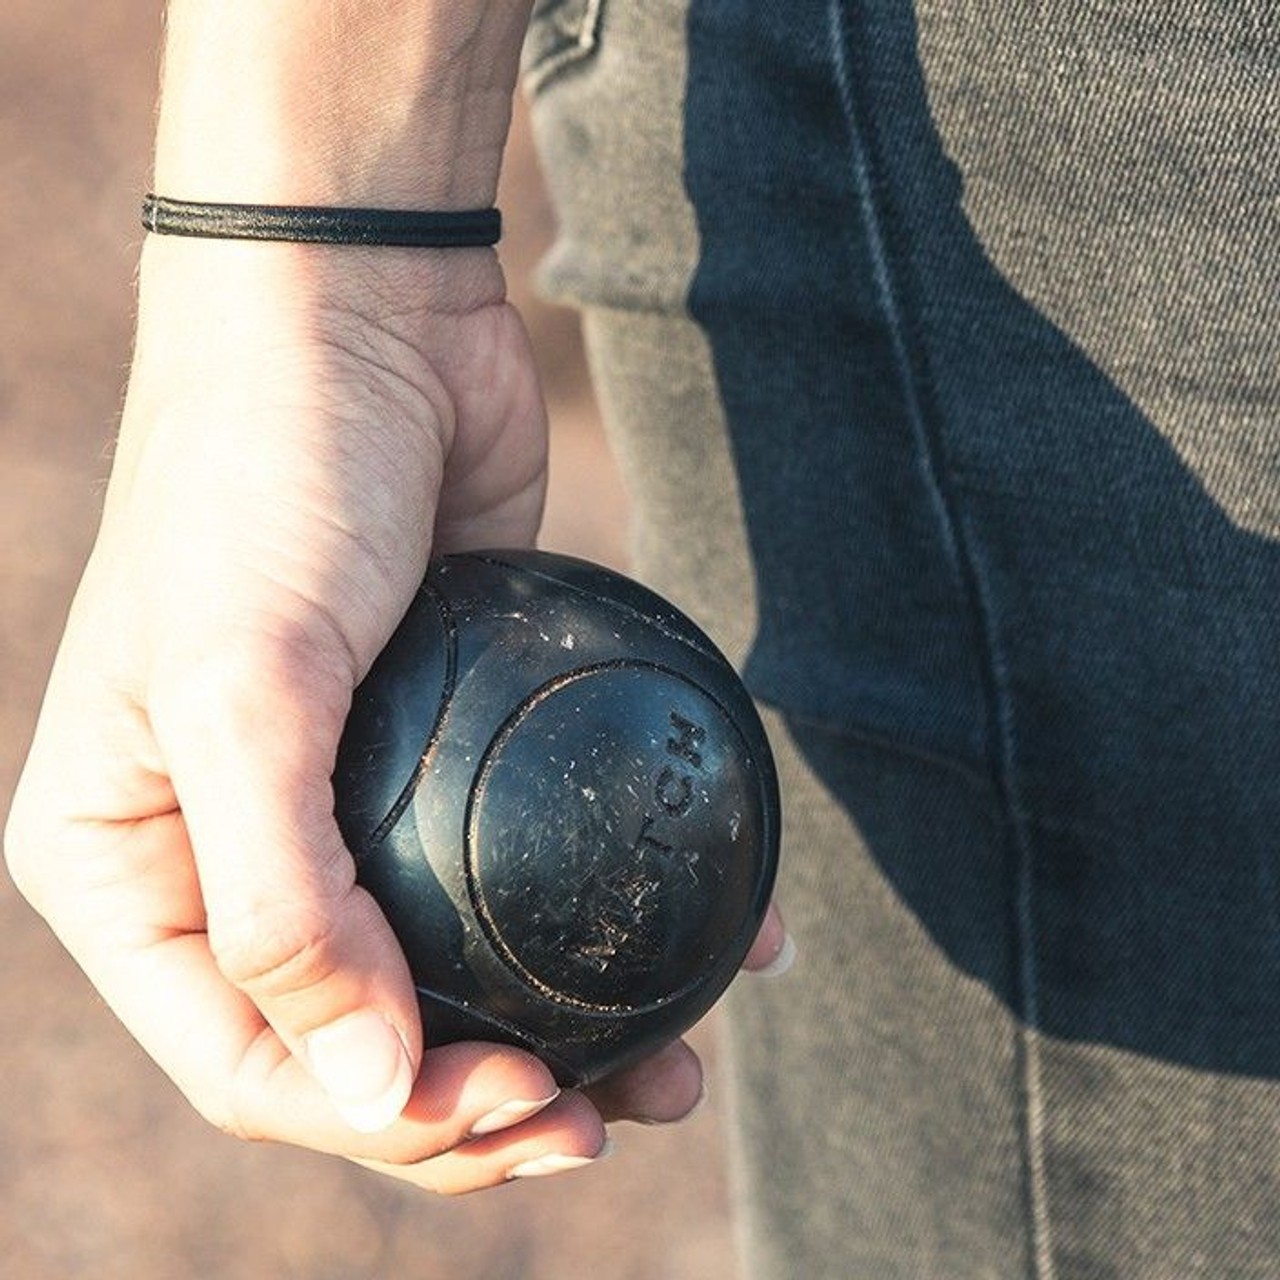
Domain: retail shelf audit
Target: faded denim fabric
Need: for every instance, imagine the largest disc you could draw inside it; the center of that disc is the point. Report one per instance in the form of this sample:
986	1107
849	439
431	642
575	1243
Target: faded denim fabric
941	343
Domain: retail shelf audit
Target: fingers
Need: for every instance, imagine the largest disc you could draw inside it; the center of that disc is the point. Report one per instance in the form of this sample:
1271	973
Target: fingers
464	1092
266	1019
662	1089
249	735
773	951
669	1086
479	1115
212	1040
567	1134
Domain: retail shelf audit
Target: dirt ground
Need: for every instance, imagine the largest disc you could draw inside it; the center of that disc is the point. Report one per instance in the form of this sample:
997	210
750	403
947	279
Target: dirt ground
106	1173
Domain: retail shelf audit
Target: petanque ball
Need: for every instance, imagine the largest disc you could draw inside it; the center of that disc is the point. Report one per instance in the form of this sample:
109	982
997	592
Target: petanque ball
563	799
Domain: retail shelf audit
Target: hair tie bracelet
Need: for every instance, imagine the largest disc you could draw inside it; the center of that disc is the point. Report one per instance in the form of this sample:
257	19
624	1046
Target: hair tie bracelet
418	229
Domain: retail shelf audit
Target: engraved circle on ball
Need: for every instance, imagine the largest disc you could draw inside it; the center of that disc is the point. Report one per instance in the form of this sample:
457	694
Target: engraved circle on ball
613	836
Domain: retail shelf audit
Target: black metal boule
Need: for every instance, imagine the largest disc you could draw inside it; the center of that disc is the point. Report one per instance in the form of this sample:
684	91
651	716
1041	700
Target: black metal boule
564	801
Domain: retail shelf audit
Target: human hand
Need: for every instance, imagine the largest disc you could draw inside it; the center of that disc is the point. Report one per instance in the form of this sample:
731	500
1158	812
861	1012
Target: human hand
297	439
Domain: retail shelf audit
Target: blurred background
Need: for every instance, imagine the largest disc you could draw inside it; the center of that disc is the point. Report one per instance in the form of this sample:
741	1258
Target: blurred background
106	1173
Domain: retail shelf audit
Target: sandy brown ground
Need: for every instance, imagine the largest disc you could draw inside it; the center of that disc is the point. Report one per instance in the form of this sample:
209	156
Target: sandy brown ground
105	1173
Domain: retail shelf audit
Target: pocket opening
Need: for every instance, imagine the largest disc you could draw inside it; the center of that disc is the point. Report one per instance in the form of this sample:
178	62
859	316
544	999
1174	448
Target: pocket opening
562	33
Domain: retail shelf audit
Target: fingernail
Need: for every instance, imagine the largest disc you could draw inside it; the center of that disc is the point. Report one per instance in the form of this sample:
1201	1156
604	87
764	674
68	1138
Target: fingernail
363	1066
510	1113
780	963
557	1163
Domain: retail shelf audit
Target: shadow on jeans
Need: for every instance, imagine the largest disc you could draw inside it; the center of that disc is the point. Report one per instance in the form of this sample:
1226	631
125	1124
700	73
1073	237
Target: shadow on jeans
971	544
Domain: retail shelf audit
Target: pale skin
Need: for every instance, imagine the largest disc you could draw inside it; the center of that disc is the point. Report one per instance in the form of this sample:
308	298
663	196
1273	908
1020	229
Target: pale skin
304	426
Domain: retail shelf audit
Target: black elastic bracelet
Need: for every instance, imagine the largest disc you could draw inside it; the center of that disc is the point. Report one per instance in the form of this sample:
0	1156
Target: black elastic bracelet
465	228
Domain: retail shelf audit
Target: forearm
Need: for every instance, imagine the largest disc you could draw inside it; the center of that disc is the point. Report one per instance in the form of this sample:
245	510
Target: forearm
402	103
396	103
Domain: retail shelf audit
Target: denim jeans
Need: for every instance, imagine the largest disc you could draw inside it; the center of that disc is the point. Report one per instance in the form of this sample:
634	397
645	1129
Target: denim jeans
941	347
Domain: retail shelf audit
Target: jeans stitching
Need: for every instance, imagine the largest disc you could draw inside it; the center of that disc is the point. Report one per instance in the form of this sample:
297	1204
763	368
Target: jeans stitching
975	580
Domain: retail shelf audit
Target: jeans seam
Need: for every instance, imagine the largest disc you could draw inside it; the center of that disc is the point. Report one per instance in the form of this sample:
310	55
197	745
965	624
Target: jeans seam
974	581
1019	827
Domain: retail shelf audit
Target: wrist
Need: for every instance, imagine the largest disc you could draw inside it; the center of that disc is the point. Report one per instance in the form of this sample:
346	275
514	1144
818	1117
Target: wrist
243	309
193	290
394	103
265	334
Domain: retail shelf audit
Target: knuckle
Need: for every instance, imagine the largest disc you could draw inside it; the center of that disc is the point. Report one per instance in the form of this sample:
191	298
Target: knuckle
22	855
269	952
238	1104
220	1112
16	855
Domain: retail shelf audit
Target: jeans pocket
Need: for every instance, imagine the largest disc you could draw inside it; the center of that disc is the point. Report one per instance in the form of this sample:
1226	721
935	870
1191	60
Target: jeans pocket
562	34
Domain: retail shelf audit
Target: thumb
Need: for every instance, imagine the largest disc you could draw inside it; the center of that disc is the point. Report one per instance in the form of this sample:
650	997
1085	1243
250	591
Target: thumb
249	737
